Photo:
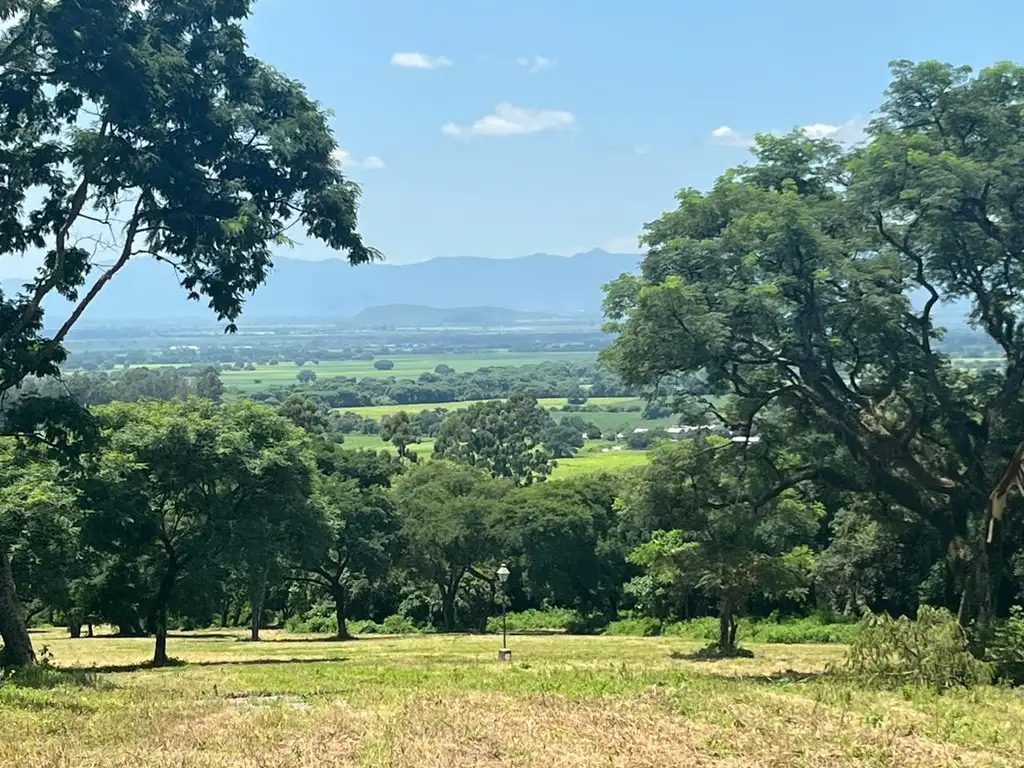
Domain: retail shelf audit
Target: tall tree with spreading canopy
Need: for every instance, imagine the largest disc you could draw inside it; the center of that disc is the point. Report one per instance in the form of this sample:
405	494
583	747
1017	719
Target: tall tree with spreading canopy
180	489
716	530
808	282
133	129
502	437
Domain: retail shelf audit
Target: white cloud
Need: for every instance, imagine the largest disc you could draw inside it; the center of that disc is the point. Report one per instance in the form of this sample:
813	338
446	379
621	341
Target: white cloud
730	137
417	60
347	162
623	245
850	132
509	120
641	149
535	64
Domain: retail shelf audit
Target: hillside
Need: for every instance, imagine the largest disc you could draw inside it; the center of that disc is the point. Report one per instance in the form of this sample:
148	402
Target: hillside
146	290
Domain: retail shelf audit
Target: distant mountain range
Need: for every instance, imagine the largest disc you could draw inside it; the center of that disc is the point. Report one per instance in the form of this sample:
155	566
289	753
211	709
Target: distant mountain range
146	290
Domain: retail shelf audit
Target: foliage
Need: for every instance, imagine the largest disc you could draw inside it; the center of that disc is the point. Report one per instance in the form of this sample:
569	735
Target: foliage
807	282
929	651
640	627
532	620
448	513
399	431
502	437
1007	650
714	529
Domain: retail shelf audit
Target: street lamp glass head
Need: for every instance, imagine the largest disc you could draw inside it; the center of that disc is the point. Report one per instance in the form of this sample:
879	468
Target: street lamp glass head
503	573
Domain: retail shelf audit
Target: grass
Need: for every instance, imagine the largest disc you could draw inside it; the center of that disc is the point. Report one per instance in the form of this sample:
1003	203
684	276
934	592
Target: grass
441	700
585	462
406	366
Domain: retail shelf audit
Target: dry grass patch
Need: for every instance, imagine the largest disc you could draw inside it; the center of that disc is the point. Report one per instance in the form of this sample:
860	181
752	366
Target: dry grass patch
444	701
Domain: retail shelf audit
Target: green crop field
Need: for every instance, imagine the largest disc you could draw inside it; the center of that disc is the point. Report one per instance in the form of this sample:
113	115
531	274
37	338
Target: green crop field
444	701
380	411
406	366
590	459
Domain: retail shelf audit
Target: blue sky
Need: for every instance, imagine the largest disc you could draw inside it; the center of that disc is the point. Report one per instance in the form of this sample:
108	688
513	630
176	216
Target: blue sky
608	107
501	128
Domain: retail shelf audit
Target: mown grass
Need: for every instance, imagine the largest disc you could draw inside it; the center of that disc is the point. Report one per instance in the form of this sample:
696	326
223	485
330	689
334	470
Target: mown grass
441	700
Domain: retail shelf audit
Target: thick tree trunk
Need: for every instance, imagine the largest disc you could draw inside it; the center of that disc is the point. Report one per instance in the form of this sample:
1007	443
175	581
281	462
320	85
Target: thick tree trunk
726	628
75	630
17	643
448	609
340	611
160	650
90	634
225	607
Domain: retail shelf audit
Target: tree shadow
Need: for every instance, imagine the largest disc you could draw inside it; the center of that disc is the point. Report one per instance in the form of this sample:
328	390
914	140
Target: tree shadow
178	664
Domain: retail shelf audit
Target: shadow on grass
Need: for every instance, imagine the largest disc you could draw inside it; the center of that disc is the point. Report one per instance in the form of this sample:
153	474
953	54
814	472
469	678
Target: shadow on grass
107	669
46	677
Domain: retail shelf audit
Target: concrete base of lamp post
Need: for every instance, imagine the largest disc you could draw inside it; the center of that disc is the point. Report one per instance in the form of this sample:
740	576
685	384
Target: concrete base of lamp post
504	654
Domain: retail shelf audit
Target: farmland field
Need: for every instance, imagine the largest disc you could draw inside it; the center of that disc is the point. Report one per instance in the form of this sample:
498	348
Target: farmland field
406	366
589	459
441	700
380	411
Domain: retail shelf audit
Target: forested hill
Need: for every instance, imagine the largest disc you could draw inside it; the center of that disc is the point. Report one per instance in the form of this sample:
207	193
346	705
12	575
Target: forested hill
145	289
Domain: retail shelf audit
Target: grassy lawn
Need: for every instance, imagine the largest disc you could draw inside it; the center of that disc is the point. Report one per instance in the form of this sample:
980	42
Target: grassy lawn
432	701
406	366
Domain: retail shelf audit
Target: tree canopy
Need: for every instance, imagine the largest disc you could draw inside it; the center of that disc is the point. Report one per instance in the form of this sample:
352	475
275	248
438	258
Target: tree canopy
807	281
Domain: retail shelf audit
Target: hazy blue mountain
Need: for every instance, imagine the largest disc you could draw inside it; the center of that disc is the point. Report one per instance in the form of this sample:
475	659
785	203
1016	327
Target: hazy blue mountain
147	290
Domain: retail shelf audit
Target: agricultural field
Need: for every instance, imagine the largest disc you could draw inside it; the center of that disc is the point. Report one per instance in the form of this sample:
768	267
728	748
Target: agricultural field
406	366
441	700
380	411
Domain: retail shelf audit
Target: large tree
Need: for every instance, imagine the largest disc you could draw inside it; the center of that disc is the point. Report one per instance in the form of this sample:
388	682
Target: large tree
503	437
808	282
179	490
719	528
449	515
358	529
133	129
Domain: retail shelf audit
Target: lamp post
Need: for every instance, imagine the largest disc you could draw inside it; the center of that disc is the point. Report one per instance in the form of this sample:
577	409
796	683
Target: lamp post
504	654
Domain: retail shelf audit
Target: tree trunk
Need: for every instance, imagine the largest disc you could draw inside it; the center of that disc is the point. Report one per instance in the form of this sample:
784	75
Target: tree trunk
17	643
448	609
159	618
75	630
90	630
726	628
257	594
340	612
225	607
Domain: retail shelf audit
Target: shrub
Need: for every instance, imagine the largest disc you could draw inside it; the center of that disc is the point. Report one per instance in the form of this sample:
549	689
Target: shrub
533	620
398	625
931	651
364	627
1007	652
592	624
642	627
318	621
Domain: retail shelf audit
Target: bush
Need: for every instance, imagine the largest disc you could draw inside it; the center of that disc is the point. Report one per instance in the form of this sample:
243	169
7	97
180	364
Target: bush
593	624
318	621
533	620
364	627
931	651
814	630
1007	652
642	627
398	625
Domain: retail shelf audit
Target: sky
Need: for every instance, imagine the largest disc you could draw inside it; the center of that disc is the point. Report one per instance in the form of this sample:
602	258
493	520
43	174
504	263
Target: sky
501	128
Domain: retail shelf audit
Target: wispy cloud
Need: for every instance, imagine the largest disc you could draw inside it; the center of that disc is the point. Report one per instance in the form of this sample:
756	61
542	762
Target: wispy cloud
535	64
509	120
417	60
346	161
641	149
851	132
